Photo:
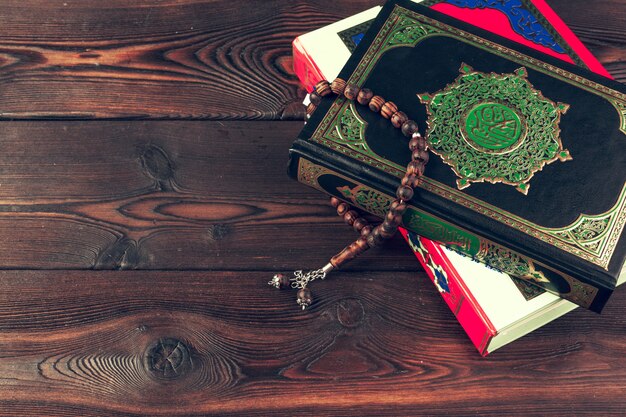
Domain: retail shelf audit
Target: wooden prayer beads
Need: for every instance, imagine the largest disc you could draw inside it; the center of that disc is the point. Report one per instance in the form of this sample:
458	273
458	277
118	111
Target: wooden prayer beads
342	209
350	252
398	119
408	128
364	96
315	98
351	91
388	109
338	86
376	103
323	88
369	236
304	298
350	217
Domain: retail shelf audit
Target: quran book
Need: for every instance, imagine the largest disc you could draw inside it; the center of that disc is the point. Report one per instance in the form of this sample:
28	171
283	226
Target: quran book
322	53
492	308
514	183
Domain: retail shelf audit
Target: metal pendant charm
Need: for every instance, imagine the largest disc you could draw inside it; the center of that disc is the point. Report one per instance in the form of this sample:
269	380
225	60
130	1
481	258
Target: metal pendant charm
300	281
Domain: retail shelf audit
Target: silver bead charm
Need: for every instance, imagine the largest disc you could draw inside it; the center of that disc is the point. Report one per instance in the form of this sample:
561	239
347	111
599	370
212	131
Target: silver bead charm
280	281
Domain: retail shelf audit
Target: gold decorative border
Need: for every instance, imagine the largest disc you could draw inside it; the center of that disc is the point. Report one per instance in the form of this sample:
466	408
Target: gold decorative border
381	44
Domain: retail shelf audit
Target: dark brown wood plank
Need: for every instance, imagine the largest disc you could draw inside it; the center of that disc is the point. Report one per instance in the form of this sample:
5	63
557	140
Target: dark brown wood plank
165	195
602	29
183	59
226	59
79	343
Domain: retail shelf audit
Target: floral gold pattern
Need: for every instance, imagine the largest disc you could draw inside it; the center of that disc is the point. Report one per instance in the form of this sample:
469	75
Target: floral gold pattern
479	126
366	198
350	129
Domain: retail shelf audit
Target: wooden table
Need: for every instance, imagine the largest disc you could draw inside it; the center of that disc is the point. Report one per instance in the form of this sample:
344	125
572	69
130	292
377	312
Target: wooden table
144	205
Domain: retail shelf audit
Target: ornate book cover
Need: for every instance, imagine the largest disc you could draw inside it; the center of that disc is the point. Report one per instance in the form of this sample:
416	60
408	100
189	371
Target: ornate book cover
501	117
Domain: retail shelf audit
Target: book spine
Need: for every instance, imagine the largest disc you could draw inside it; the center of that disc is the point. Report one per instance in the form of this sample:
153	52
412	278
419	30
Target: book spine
452	289
316	172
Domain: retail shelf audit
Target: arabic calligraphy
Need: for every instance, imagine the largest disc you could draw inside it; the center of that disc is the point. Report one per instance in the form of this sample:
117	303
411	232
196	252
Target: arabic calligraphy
492	127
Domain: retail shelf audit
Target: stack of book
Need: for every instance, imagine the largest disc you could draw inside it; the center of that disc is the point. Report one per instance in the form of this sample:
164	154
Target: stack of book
519	217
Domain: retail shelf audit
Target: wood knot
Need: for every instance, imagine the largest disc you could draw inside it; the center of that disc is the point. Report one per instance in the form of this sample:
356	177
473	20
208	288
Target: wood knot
350	312
157	165
168	358
218	231
122	254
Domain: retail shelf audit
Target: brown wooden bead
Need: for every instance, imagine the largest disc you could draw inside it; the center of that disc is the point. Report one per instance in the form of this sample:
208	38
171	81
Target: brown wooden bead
376	103
410	180
388	109
398	119
361	243
397	207
418	142
315	98
334	201
374	238
305	298
351	91
409	128
323	88
342	209
364	96
310	109
405	193
393	219
350	252
350	216
337	86
415	168
424	157
420	155
366	230
387	231
284	282
359	224
281	281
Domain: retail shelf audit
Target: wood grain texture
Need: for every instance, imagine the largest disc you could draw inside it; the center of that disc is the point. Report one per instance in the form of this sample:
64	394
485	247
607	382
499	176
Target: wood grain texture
190	59
165	195
146	59
206	213
95	342
601	29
